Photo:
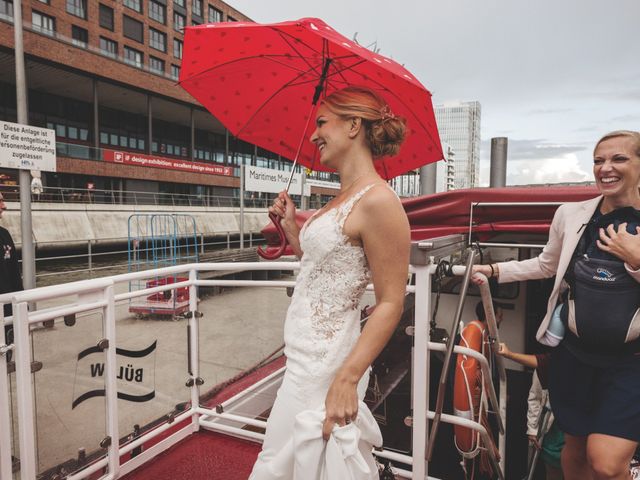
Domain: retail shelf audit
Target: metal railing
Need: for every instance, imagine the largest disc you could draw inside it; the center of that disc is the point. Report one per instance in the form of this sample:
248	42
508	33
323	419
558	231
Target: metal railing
132	197
100	294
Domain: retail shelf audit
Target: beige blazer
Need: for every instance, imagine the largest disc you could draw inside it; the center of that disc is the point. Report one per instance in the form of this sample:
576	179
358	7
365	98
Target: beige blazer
566	229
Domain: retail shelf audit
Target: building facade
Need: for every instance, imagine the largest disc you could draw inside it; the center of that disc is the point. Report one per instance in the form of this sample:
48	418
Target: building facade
459	126
445	170
103	75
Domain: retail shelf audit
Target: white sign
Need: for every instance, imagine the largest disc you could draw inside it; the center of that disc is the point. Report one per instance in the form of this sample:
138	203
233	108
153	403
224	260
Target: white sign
322	183
257	179
27	148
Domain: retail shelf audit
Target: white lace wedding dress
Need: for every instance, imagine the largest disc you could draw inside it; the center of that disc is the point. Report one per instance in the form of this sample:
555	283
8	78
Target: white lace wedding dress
321	328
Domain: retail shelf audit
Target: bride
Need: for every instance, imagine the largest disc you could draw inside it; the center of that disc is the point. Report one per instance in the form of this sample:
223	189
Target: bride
361	235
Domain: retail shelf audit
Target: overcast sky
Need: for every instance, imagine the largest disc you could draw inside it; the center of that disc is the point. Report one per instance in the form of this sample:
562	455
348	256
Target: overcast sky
552	75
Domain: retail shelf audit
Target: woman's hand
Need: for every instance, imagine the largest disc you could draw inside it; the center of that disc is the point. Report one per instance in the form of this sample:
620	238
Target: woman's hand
341	405
504	350
621	243
483	269
284	207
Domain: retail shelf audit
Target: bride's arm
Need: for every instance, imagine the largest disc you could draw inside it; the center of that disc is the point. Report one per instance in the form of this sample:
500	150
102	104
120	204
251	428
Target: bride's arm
384	231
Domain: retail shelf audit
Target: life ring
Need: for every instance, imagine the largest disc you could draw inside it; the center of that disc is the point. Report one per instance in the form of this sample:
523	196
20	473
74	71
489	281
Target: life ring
468	388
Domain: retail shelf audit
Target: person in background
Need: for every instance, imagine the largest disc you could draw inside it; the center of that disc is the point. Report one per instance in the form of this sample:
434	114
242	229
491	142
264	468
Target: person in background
551	436
593	379
10	279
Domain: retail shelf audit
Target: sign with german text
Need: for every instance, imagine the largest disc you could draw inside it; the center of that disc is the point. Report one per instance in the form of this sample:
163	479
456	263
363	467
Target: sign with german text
135	374
257	179
141	160
27	148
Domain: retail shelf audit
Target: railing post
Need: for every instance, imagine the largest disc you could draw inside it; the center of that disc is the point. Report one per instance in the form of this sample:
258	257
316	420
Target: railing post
228	240
5	413
24	390
111	382
90	259
420	370
250	239
194	358
202	244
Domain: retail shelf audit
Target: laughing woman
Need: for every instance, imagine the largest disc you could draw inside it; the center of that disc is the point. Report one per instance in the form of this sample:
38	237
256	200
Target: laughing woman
361	235
594	373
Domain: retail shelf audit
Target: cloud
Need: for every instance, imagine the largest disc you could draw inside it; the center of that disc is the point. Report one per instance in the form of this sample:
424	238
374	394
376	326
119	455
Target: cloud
538	161
563	169
533	149
549	111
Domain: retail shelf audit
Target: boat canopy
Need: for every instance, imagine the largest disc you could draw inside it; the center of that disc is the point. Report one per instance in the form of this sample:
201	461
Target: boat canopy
526	210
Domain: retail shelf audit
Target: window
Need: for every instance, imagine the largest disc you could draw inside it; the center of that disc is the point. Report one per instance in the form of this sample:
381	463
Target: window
175	72
108	47
156	65
77	8
79	36
133	5
157	12
231	19
215	15
133	57
157	40
6	9
43	23
196	8
132	29
180	3
177	48
178	21
46	2
106	17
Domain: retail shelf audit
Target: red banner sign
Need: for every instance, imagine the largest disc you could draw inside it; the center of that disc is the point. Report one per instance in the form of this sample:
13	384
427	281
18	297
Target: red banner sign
141	160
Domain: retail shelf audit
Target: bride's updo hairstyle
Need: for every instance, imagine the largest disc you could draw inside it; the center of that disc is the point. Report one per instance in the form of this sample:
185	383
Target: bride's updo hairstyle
384	131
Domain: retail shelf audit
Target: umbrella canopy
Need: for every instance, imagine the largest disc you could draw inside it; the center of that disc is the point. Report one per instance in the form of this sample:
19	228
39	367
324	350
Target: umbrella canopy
260	80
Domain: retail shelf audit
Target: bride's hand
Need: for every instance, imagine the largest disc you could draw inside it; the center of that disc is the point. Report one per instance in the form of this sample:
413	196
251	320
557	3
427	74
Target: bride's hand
285	208
341	405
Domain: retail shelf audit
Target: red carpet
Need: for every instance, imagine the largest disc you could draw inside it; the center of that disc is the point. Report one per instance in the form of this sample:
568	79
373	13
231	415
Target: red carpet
204	455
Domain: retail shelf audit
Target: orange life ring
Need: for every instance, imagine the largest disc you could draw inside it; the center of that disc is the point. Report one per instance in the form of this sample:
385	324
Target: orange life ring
468	387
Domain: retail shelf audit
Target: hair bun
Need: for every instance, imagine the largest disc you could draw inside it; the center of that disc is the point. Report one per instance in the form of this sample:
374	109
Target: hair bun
385	136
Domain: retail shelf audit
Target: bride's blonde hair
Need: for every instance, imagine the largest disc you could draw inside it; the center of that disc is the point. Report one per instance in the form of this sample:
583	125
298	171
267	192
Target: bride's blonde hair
384	131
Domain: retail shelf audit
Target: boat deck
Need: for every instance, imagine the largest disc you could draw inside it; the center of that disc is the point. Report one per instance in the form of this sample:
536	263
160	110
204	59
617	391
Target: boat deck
203	455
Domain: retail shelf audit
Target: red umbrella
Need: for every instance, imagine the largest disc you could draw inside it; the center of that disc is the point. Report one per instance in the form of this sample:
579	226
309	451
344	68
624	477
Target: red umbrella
261	82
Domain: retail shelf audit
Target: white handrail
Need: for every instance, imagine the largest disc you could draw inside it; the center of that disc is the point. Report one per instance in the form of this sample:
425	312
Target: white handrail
100	294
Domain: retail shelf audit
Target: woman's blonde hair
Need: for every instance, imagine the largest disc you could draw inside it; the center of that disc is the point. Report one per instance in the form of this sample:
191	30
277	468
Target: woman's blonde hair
622	133
384	132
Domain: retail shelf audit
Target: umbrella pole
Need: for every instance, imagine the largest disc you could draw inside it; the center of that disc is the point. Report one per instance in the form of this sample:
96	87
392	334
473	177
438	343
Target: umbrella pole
316	97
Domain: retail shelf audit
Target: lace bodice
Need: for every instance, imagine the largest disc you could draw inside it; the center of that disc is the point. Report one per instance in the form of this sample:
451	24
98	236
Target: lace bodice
323	320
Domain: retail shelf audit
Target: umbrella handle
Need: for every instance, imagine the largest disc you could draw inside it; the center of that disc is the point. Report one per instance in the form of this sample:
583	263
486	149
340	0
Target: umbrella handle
275	219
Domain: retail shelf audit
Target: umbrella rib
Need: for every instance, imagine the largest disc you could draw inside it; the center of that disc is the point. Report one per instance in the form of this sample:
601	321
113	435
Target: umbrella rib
289	42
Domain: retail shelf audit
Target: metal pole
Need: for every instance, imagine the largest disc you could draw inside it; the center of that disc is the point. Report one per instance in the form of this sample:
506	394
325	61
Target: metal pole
89	255
242	205
304	200
96	119
498	174
193	135
226	146
428	179
447	359
26	232
149	123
